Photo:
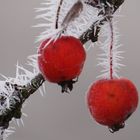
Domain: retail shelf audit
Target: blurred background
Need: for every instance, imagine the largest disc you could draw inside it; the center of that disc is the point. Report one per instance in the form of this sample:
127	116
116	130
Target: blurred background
59	116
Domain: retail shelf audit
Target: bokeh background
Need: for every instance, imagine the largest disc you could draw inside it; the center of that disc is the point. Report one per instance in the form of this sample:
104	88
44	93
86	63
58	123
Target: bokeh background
59	116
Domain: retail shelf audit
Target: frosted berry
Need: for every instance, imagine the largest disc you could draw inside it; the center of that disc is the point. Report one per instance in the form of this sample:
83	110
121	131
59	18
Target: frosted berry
112	101
62	60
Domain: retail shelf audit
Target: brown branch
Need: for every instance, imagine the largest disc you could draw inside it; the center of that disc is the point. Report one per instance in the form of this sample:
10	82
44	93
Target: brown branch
57	14
93	31
21	93
73	13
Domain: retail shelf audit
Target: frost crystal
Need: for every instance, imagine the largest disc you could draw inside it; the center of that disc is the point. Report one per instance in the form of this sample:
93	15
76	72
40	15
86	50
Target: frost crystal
104	58
4	133
7	99
48	13
8	95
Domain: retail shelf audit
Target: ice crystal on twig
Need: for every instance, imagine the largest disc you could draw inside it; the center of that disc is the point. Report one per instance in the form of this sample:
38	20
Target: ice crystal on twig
7	99
4	133
90	46
104	58
23	76
19	122
8	95
76	27
32	61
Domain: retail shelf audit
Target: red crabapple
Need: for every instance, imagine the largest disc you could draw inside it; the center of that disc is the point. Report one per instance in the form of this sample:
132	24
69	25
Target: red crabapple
62	60
112	101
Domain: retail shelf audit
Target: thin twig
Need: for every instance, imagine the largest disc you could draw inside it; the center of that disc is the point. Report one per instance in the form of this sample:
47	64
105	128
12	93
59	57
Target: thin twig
57	14
111	49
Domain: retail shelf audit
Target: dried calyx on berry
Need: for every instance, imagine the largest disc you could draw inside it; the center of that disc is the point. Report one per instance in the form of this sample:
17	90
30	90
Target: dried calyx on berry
67	85
116	127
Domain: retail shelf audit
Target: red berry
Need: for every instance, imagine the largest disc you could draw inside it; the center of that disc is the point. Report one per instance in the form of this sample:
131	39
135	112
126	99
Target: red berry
112	101
61	60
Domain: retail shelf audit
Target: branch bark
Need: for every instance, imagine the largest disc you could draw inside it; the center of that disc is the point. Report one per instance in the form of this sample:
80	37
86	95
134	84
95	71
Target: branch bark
24	92
93	31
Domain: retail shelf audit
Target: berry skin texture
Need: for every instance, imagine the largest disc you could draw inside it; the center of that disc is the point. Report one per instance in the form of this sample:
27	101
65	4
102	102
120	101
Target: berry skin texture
61	60
112	101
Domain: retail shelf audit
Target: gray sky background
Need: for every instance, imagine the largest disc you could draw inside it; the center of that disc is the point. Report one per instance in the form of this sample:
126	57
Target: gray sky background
59	116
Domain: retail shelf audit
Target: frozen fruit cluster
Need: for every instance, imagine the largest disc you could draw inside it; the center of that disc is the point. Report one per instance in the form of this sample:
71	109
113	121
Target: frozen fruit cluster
110	101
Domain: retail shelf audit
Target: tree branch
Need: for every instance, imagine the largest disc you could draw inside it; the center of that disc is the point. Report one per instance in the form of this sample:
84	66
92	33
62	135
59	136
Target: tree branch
93	31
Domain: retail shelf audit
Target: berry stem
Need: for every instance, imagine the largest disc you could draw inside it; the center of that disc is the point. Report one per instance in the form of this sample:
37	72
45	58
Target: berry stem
57	14
111	49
